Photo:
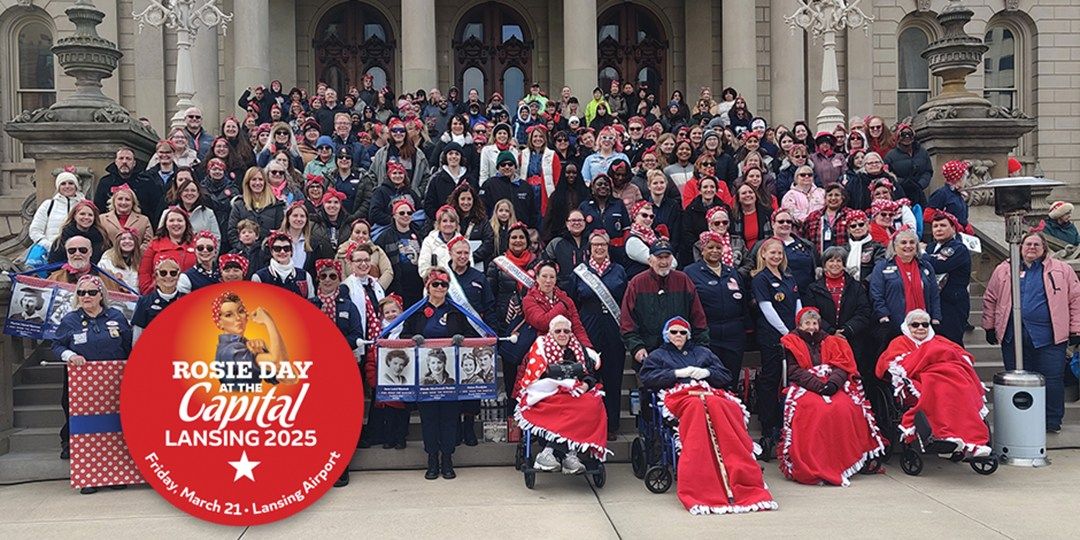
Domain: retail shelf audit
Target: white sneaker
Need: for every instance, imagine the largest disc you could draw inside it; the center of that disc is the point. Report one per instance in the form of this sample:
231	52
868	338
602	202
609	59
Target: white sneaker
571	464
545	461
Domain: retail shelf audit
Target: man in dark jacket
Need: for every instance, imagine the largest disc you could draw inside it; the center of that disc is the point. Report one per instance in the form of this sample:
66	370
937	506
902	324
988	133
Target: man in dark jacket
198	139
261	97
123	170
655	296
506	185
910	162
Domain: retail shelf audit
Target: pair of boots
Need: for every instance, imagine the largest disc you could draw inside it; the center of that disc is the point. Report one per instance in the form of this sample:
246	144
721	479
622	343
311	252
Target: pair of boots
435	466
467	431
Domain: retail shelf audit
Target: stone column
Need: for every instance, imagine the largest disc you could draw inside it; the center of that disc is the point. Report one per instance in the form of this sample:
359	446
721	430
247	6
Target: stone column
418	53
252	55
699	46
149	45
579	47
787	66
739	49
204	63
283	52
860	73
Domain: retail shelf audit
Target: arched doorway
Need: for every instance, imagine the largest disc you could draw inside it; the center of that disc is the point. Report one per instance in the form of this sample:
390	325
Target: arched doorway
353	39
632	47
493	52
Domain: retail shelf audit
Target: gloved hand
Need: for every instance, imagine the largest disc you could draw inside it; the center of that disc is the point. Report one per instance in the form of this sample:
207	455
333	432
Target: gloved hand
829	389
1074	340
991	337
699	373
685	372
458	339
579	389
418	339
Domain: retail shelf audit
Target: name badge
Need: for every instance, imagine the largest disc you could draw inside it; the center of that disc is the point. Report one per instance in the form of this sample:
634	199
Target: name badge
343	314
79	338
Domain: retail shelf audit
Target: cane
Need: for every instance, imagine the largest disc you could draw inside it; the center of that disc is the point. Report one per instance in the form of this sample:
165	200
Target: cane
715	446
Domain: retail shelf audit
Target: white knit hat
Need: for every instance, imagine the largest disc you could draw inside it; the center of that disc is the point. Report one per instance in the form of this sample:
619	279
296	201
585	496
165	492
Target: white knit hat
1060	209
65	176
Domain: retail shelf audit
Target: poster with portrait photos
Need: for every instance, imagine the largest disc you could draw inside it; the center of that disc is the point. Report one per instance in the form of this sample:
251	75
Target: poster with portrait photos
38	305
438	370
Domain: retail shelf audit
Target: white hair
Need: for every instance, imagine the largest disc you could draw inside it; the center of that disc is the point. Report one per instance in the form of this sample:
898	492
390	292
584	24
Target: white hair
558	320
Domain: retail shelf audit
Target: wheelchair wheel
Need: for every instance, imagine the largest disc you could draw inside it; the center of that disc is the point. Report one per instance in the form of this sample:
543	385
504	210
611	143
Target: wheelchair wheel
530	480
911	462
519	456
984	465
637	457
599	478
658	479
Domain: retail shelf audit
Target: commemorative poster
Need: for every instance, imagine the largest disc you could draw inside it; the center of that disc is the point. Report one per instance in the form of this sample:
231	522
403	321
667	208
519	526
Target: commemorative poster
438	370
38	305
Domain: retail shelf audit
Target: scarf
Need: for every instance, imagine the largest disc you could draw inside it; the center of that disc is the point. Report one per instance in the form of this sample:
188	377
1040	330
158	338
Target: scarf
835	285
879	233
646	234
854	258
521	261
502	147
72	271
727	256
282	270
123	219
544	301
911	277
599	267
278	190
553	352
329	303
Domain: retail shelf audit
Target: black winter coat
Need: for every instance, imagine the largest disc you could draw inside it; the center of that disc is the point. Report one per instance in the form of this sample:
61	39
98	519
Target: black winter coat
853	316
913	171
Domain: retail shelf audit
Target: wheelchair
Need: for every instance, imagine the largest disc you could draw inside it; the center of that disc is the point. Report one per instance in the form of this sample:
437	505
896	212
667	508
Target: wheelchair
525	456
654	453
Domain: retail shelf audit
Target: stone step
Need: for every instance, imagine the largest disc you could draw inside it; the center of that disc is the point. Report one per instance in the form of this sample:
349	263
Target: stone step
38	374
35	440
38	394
39	416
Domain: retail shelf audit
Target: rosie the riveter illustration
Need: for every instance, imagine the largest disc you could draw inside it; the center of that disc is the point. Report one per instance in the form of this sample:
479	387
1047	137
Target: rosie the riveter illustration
231	317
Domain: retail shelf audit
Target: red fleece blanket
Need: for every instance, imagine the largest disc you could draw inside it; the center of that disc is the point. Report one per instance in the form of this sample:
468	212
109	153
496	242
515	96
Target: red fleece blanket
580	422
938	379
700	485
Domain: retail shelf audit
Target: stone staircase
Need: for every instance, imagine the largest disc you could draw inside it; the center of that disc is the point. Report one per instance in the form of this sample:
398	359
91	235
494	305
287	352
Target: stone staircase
35	443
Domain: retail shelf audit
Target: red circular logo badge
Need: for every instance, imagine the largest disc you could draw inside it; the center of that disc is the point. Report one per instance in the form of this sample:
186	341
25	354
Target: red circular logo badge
242	403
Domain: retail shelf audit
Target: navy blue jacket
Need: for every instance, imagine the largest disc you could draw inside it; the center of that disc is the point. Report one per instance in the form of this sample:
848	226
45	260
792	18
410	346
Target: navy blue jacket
347	316
478	291
614	219
149	306
658	369
105	337
949	200
952	259
598	323
725	298
887	292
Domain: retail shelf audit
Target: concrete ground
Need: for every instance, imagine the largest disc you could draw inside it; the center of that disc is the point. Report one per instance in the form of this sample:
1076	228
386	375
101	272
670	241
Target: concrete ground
947	499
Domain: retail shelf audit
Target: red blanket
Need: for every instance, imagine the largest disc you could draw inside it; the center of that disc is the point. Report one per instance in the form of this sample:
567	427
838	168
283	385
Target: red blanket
580	422
938	379
700	485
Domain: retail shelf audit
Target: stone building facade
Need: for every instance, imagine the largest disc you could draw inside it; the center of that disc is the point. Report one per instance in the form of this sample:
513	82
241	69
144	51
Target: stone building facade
505	45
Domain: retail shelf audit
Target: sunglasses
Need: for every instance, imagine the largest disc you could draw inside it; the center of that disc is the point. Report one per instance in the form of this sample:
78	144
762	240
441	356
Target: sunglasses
784	222
204	249
678	332
281	133
561	331
723	222
328	275
194	117
397	130
637	128
482	132
857	224
344	157
708	163
80	250
280	249
650	216
88	292
404	213
440	284
919	325
277	173
806	174
875	128
168	273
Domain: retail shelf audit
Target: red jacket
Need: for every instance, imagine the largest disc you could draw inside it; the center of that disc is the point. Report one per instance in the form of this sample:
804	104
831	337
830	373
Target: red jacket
183	254
533	305
1062	297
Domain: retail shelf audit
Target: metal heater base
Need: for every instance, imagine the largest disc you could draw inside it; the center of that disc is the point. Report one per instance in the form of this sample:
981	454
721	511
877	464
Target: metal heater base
1025	462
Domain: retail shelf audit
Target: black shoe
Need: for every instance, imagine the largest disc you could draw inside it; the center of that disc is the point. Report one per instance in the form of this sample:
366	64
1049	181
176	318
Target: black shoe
342	480
88	490
1053	429
400	445
448	467
65	453
432	467
468	427
364	443
387	445
612	436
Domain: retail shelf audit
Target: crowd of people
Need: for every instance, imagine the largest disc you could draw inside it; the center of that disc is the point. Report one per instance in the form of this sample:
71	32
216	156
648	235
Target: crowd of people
581	229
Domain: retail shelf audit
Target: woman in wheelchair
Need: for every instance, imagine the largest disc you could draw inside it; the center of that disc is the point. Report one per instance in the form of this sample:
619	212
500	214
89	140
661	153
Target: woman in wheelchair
829	431
559	401
935	377
718	473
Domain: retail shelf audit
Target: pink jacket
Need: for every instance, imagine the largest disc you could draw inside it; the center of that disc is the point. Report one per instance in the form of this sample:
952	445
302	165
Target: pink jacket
1062	296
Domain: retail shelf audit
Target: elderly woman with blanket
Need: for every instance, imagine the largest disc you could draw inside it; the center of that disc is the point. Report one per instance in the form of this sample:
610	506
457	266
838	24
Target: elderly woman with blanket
829	432
717	470
935	376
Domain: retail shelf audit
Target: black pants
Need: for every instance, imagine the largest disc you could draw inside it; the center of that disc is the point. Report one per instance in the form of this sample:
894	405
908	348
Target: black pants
611	374
768	383
386	425
509	380
439	424
65	432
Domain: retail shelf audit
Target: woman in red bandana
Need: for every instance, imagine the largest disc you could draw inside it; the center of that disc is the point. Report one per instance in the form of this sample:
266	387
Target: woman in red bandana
558	400
712	423
936	377
640	238
829	431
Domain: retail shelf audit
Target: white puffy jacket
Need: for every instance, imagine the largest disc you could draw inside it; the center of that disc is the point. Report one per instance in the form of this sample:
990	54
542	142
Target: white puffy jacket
49	218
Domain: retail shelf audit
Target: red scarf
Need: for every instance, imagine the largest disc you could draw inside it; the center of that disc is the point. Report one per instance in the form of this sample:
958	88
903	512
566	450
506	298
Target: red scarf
72	271
835	287
503	147
879	233
600	267
911	276
521	261
123	219
834	351
329	303
727	256
646	234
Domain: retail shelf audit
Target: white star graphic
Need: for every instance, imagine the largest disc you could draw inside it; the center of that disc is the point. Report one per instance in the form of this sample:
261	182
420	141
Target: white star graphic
244	467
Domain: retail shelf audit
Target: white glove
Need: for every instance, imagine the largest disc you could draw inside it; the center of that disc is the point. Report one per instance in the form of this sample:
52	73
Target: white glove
579	389
699	373
684	373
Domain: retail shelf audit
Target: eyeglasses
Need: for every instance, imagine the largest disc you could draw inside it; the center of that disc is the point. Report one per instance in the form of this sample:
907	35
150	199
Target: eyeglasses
598	244
405	213
328	275
194	117
281	249
281	133
561	331
887	214
678	332
397	130
440	284
80	250
168	273
857	224
784	222
708	163
277	173
204	248
635	128
876	128
919	325
361	261
507	164
88	292
798	156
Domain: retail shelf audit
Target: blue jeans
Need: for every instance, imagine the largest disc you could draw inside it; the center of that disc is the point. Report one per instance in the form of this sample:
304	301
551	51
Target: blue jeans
1050	362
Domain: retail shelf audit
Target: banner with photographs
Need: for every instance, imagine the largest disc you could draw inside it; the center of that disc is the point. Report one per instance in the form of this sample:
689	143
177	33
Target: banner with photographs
38	305
438	370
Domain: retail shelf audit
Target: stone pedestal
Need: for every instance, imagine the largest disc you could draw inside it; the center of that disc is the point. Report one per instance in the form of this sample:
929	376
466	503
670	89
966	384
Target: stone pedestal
970	133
